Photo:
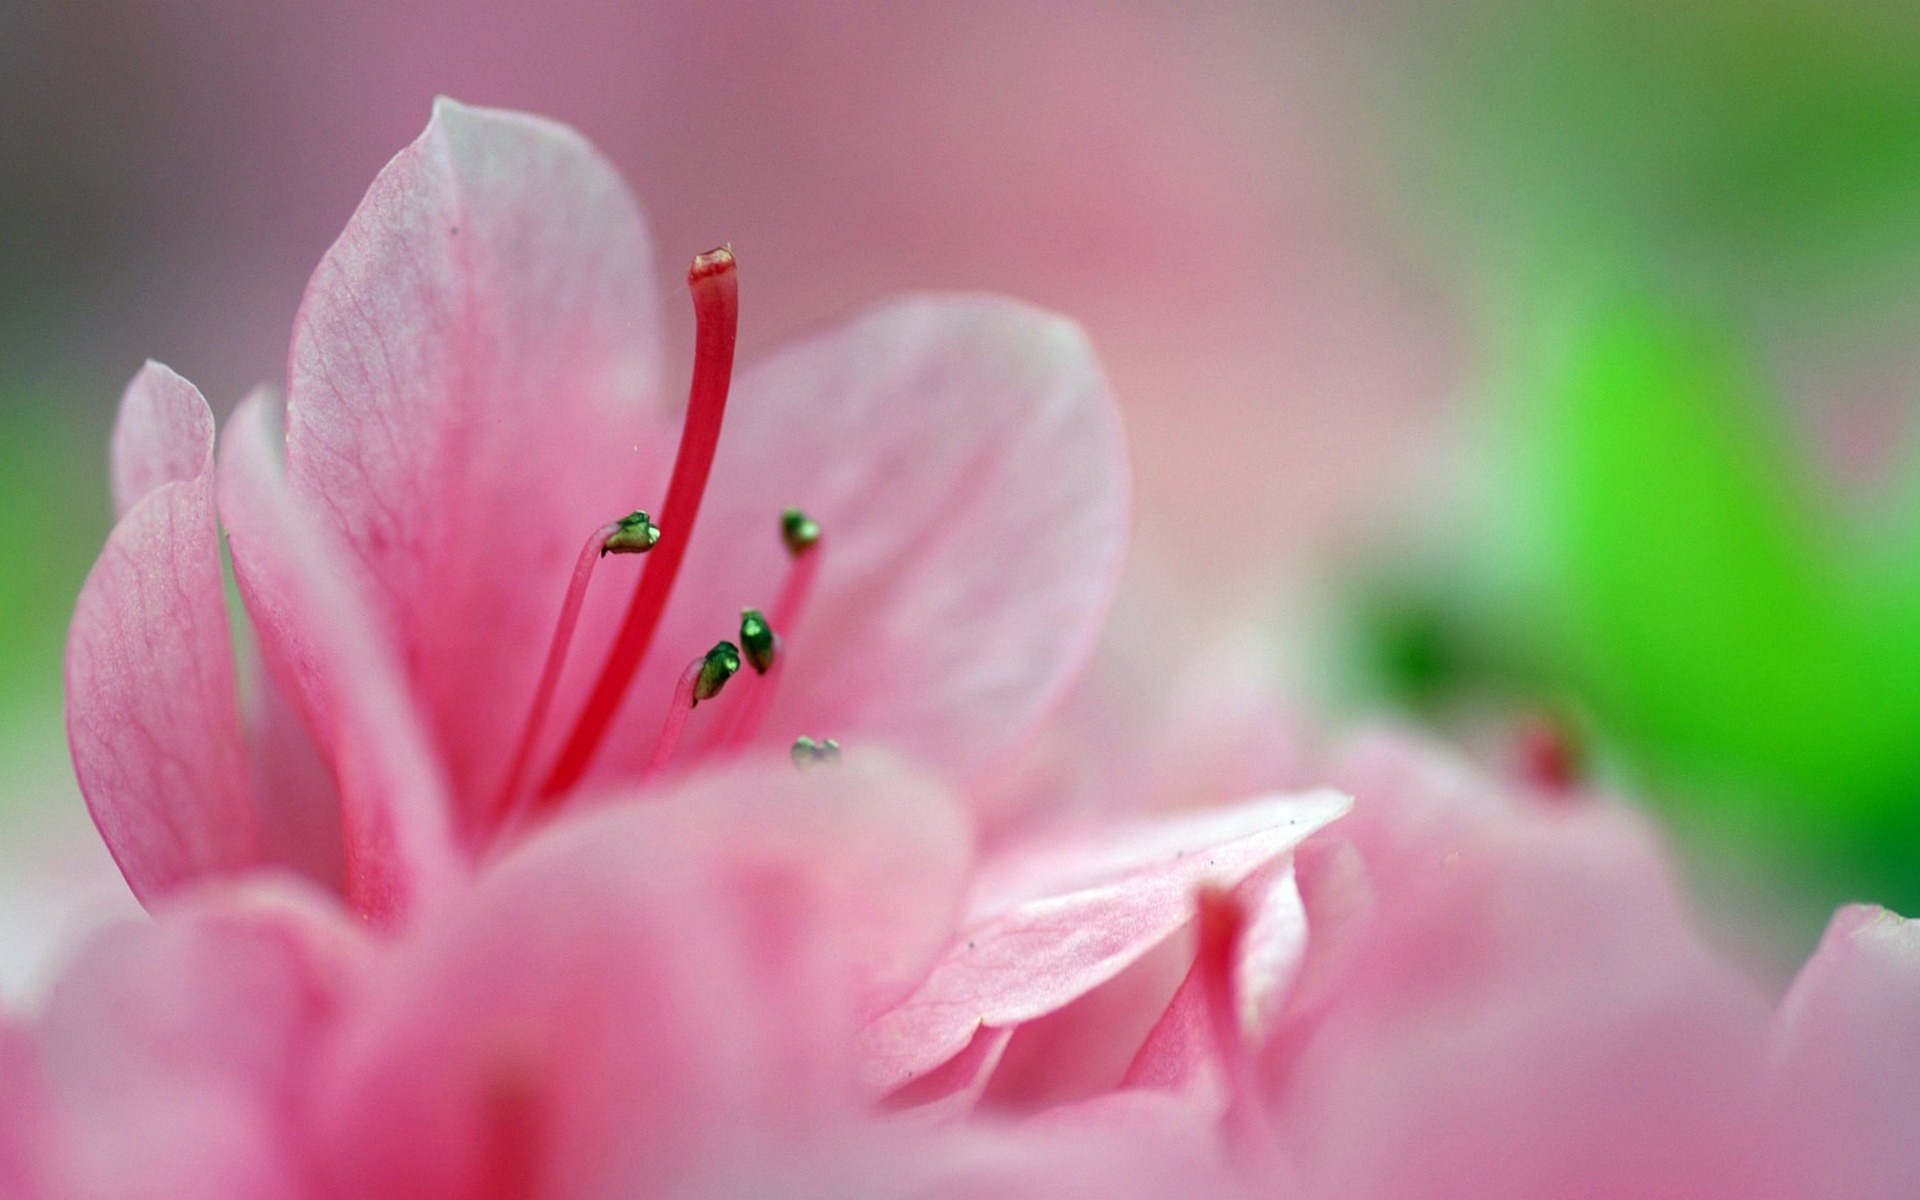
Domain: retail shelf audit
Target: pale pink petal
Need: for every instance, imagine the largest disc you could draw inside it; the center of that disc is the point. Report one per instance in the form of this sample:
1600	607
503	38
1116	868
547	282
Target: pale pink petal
1181	1055
1847	1050
1039	947
953	1088
151	711
641	995
300	798
164	434
1527	1012
1133	1149
1083	1048
471	372
888	853
331	656
967	465
175	1052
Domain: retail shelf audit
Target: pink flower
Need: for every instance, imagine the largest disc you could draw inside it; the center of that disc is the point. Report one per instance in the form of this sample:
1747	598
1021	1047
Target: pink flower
467	411
472	394
743	978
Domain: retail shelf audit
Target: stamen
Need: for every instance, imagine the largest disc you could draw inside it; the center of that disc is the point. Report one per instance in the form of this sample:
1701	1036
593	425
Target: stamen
798	531
756	640
716	303
803	537
702	680
809	753
631	534
634	533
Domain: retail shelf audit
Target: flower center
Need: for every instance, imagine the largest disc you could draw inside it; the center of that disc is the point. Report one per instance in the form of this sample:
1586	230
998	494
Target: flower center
713	282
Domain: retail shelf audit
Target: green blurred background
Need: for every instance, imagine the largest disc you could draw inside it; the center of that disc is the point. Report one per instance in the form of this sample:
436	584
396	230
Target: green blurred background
1566	352
1694	229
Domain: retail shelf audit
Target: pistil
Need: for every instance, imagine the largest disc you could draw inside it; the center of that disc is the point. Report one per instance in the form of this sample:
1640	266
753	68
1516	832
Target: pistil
716	301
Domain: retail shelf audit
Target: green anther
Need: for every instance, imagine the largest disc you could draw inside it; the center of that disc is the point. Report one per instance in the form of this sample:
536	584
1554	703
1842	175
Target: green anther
636	534
721	664
809	753
799	531
756	639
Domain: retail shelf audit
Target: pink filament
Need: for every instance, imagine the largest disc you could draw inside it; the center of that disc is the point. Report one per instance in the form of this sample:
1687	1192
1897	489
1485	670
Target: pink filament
550	674
788	609
677	714
716	302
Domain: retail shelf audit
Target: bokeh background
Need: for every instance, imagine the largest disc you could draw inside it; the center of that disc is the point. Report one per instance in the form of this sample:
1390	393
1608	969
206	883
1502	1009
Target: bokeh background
1504	362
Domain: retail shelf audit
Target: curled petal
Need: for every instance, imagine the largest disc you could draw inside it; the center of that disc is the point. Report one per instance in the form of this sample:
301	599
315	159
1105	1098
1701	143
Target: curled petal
152	715
1040	949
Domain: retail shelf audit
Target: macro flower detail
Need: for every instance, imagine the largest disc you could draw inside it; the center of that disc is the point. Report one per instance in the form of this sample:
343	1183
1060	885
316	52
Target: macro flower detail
513	847
472	391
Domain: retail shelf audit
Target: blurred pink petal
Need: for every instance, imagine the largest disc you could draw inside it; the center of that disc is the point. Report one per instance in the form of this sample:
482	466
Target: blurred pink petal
174	1055
1522	1010
152	716
643	996
1847	1057
26	1132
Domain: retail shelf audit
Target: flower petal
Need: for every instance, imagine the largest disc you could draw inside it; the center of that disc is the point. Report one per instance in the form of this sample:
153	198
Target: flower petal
152	716
887	850
174	1052
966	463
164	434
1847	1049
328	652
465	404
27	1138
1522	1009
1042	951
637	993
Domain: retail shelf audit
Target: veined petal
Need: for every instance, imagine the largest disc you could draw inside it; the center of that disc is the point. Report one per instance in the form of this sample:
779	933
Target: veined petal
466	403
331	656
164	434
1044	950
152	715
966	463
